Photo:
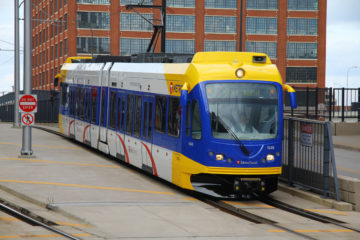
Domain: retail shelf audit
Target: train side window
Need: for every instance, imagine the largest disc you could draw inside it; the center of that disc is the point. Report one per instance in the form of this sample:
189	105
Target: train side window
93	104
174	114
64	94
71	108
188	118
82	103
129	113
112	109
145	114
123	112
160	114
119	114
103	106
150	120
196	121
88	105
77	102
137	127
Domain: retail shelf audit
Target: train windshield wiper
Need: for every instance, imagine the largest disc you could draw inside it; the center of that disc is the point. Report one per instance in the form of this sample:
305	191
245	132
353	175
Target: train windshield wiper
233	134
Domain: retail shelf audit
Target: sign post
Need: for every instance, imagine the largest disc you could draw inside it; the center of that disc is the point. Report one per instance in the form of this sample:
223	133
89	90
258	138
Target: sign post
28	102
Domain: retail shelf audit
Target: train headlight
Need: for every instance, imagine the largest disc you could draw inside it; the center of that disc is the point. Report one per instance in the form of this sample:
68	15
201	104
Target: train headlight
270	158
219	156
240	73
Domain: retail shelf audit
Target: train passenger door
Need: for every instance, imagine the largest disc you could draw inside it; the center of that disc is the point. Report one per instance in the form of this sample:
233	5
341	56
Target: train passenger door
148	162
121	151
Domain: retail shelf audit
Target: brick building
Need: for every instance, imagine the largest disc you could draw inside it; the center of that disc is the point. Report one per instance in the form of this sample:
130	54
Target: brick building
291	32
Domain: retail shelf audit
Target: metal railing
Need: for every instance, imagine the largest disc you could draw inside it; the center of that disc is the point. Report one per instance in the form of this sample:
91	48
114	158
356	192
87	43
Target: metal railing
308	156
330	104
47	109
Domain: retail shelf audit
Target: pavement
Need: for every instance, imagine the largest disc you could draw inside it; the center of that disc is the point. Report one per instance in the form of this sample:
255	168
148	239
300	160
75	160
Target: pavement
348	142
94	197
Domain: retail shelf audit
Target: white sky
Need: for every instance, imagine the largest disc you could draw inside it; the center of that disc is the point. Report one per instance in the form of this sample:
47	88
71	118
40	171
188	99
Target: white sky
343	44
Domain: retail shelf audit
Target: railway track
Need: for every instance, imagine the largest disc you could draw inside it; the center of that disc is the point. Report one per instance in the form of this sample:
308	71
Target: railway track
241	213
25	216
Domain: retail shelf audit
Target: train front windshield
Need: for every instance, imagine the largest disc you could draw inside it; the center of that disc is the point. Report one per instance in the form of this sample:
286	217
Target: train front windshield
245	111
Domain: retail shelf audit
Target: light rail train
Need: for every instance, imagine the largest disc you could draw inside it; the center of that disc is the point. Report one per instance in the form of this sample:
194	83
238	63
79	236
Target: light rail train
214	121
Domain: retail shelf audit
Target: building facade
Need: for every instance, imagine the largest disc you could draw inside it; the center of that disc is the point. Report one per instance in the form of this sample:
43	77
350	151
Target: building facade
291	32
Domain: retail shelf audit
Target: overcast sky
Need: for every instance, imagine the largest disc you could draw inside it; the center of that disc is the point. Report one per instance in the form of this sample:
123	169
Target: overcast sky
343	44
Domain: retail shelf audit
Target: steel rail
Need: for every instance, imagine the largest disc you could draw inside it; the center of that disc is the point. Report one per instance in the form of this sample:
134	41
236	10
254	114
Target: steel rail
34	222
305	213
249	216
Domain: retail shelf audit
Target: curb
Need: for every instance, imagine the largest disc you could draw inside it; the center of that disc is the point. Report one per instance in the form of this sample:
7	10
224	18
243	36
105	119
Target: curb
330	203
42	204
346	147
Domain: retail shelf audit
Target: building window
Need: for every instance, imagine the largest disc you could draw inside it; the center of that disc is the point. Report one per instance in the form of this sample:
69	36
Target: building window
130	46
125	2
220	4
301	50
93	1
134	22
302	26
262	4
180	23
270	48
211	46
181	3
220	24
256	25
311	5
180	46
301	74
90	45
93	20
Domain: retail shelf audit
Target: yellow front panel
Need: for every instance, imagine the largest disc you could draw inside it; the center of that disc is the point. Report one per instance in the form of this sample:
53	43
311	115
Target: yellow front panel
183	168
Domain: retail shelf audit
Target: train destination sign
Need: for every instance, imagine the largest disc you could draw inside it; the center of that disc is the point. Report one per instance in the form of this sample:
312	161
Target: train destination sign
28	103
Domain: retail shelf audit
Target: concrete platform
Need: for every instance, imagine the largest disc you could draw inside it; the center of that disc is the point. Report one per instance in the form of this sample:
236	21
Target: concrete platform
95	197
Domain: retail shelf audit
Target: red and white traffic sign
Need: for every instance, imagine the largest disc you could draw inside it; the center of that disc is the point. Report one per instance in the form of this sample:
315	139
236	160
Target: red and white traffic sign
27	119
28	103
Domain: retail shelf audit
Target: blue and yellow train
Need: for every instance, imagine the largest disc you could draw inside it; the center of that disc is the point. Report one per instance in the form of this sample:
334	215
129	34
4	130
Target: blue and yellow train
214	122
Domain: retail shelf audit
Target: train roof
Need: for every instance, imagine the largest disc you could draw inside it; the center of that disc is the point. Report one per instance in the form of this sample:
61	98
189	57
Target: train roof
193	69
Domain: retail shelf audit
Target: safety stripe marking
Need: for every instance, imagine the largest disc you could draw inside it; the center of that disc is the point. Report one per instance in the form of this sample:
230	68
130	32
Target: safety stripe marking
124	147
151	158
43	236
86	186
84	134
313	230
10	219
348	170
43	146
71	122
249	204
58	162
327	211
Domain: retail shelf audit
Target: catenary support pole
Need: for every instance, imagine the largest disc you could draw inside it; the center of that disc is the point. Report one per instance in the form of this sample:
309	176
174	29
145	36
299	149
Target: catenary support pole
16	64
26	141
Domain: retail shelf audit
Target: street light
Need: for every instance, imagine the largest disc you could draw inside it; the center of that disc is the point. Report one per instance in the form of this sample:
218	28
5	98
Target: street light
347	75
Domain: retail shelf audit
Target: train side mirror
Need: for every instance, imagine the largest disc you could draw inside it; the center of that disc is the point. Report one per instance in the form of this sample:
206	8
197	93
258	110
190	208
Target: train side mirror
184	95
293	103
292	95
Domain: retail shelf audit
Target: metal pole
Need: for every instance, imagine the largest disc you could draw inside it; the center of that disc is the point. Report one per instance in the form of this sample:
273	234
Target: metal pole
163	30
16	65
291	151
343	105
26	141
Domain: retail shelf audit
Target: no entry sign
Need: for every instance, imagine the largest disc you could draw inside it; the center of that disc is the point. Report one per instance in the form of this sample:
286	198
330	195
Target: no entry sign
28	103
